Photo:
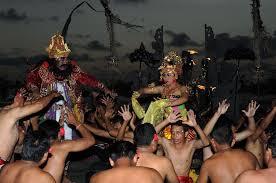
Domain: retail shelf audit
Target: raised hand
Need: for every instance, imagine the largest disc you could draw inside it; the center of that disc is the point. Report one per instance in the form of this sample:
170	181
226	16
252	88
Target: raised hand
191	119
133	118
251	109
108	102
223	107
174	117
125	113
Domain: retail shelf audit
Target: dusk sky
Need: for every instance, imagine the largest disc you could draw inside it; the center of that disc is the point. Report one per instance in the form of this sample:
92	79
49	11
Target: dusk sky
27	25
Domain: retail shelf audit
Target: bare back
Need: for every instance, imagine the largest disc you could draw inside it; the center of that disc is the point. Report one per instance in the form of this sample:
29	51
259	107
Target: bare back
226	166
257	176
56	163
128	175
20	172
8	134
161	164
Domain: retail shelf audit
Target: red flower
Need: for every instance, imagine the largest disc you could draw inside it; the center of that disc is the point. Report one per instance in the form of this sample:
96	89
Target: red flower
45	64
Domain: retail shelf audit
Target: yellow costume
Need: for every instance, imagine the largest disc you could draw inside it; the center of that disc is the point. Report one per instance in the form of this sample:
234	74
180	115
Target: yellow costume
157	110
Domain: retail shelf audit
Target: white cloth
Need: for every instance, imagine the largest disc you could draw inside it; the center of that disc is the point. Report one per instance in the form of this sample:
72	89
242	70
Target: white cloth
68	131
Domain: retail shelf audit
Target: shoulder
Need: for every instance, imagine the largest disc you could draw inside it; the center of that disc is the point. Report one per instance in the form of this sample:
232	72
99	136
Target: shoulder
159	87
95	177
154	174
184	88
247	154
207	163
44	176
147	171
248	176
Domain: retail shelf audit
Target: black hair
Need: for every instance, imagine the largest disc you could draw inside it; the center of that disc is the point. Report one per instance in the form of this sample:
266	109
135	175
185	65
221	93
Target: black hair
272	144
143	134
179	123
88	114
35	145
50	128
122	149
222	132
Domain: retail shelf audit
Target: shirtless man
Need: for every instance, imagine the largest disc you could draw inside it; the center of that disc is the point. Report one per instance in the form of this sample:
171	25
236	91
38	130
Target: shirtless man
238	136
60	149
254	135
265	175
123	159
34	154
255	143
227	164
9	115
178	149
146	140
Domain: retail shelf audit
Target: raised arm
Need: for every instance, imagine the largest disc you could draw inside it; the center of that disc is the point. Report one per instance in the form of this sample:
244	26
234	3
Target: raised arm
126	116
250	112
35	106
151	90
172	118
207	153
204	141
83	143
222	109
98	132
132	121
264	124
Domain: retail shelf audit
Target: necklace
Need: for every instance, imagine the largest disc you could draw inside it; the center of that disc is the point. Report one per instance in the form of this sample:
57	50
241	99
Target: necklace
167	91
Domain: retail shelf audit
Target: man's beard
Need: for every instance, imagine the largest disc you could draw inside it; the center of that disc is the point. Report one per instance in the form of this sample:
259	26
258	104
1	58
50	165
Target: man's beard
61	74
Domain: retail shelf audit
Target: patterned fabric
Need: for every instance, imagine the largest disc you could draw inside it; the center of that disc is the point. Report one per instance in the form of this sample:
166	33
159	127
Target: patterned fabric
45	81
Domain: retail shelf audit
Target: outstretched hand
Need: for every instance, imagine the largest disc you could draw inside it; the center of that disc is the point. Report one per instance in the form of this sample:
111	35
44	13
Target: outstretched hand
223	107
251	109
125	113
174	117
191	119
108	102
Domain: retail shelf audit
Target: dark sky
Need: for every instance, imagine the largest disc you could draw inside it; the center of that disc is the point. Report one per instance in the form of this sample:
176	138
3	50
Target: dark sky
27	25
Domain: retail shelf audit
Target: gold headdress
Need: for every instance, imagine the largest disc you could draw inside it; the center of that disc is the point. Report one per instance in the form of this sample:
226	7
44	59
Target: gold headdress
57	47
172	63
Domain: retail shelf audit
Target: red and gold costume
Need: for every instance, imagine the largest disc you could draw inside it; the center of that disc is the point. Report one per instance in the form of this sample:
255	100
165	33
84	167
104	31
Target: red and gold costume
44	80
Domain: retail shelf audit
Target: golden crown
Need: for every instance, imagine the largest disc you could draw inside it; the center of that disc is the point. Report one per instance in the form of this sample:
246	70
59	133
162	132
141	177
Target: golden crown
172	63
57	47
172	58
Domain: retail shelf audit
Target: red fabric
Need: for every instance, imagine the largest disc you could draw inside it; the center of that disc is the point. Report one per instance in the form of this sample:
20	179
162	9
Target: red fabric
33	79
2	162
155	137
185	179
61	132
88	80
